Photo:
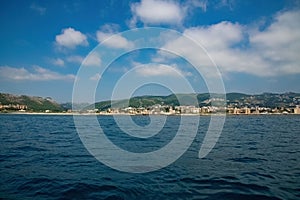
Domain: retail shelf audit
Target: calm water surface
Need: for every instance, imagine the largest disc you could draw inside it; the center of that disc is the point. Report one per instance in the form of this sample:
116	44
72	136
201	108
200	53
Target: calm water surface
256	157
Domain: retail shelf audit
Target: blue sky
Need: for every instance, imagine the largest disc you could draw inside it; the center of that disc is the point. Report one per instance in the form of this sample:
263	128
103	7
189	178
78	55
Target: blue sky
254	44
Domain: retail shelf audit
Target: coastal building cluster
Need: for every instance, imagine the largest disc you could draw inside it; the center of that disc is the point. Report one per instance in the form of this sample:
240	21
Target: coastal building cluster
264	110
172	110
193	110
18	107
245	107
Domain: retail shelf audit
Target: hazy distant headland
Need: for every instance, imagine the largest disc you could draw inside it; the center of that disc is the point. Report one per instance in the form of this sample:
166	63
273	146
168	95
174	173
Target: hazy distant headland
203	103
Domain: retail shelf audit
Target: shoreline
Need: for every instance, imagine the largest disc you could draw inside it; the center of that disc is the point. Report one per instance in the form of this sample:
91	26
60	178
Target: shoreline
128	114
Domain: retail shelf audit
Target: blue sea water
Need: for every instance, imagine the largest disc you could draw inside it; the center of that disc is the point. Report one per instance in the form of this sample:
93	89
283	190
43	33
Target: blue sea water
256	157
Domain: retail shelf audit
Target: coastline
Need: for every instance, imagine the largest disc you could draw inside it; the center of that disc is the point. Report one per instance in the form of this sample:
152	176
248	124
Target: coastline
128	114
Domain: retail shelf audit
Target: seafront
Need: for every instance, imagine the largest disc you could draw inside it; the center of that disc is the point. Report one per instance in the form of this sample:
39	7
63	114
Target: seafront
138	114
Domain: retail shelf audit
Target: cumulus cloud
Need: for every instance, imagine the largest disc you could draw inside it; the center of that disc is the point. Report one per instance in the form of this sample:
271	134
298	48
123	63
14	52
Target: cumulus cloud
58	62
164	12
108	35
240	48
221	35
75	59
36	74
279	44
154	69
115	41
157	12
95	77
93	59
70	38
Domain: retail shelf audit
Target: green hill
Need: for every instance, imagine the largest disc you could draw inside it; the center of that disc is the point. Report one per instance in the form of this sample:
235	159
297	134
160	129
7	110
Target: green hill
10	102
147	101
270	100
34	104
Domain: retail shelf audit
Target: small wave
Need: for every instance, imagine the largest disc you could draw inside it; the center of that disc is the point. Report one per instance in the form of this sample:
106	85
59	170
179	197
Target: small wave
246	160
227	185
40	187
225	182
256	174
232	195
91	191
30	148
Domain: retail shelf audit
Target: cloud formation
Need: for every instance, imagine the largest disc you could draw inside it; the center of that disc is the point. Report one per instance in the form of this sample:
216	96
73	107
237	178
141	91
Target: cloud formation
70	38
271	51
279	44
114	41
36	74
58	62
157	12
41	10
154	69
164	12
108	35
218	36
92	59
190	5
95	77
75	59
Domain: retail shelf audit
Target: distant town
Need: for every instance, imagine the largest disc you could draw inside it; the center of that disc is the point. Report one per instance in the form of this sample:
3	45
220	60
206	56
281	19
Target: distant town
235	103
191	110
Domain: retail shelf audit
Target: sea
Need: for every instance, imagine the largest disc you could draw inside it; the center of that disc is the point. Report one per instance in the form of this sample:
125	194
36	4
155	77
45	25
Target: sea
255	157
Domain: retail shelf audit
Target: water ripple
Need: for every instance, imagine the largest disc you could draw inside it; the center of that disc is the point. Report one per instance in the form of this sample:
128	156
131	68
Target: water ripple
256	157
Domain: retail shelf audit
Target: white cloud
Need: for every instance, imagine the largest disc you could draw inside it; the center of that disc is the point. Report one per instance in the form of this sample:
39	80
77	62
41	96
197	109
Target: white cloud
75	59
108	35
92	59
114	41
58	61
221	35
119	69
70	38
153	69
163	56
226	3
192	4
110	28
95	77
41	10
279	44
157	12
36	74
236	48
166	12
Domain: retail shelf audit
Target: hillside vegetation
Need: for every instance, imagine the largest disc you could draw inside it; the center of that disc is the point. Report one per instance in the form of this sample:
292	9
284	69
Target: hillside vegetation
271	100
35	104
9	102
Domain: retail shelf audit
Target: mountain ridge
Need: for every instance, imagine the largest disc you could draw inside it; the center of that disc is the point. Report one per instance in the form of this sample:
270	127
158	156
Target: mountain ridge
233	99
28	103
